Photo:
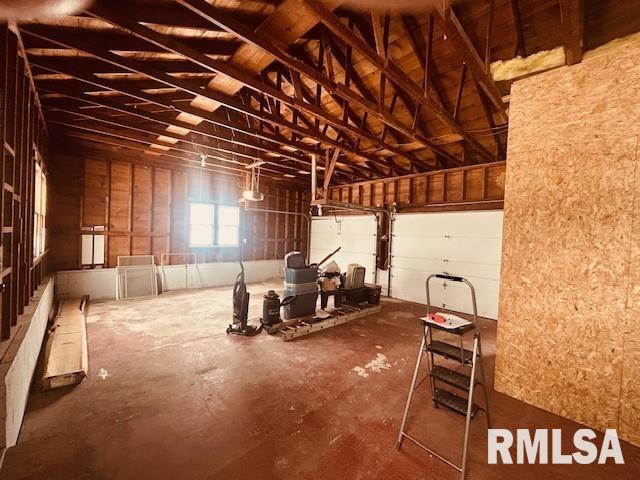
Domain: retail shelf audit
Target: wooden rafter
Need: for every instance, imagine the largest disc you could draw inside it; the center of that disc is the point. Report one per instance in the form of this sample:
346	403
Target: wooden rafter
213	157
99	10
223	150
496	133
463	75
572	16
455	31
228	101
521	47
218	17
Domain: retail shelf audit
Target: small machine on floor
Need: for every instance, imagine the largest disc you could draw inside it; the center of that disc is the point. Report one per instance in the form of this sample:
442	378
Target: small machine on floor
271	305
440	376
240	297
300	299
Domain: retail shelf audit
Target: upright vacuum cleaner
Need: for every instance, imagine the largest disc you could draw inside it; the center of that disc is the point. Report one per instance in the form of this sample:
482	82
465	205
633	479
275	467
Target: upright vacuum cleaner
241	305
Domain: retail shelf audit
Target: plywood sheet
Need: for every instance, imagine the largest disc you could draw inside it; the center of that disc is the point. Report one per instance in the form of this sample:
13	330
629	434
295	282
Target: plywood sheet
562	304
570	285
629	424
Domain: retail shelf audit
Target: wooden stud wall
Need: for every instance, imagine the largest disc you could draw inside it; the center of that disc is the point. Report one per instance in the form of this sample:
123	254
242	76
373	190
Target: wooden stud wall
22	144
145	208
477	186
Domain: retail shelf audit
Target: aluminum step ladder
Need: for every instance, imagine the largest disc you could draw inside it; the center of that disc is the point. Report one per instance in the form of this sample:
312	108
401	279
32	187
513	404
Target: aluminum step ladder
440	376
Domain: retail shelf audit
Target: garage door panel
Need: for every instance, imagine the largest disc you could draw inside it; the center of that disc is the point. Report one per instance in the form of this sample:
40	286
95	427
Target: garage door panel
474	250
417	264
412	285
457	297
460	243
356	235
453	267
471	224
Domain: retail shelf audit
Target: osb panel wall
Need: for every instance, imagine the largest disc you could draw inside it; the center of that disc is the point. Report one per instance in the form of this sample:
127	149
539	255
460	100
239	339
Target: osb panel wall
446	188
570	285
146	209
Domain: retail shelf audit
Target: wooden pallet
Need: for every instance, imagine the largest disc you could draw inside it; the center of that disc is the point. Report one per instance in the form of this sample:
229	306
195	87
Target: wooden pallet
297	327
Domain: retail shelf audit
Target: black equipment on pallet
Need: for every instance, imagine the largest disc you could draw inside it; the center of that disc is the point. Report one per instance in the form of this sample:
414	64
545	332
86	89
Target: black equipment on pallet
271	307
241	308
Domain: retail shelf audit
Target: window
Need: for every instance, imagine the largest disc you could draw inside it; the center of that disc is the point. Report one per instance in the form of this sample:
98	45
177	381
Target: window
39	212
92	252
228	228
213	225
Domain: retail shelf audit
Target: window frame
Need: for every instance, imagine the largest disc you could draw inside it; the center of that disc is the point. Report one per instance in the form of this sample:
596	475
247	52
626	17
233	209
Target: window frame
215	225
39	211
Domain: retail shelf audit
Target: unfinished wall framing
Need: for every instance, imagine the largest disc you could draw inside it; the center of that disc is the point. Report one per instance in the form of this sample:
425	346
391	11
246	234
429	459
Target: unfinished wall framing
570	284
142	209
477	186
23	143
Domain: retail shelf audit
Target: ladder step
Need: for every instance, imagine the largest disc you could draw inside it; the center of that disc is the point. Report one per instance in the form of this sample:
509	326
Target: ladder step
450	351
454	402
451	377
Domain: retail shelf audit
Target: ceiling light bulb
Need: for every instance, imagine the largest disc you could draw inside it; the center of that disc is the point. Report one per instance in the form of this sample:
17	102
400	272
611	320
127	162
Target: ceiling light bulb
203	159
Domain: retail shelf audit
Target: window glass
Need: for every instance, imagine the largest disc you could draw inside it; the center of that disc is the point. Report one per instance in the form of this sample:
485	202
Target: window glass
202	221
228	216
39	211
212	225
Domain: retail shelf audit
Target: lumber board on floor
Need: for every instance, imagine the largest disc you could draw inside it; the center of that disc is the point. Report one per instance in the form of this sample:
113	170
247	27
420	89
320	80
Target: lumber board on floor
66	354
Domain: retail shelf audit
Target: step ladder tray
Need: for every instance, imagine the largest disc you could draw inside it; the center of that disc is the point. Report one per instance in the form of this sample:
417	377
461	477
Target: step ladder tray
448	323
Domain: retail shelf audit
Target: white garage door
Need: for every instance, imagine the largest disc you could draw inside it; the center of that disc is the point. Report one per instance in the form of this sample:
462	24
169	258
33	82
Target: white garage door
355	234
467	244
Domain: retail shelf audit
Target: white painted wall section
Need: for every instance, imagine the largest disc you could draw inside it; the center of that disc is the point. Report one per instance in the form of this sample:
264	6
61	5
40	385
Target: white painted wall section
100	284
467	243
19	363
356	234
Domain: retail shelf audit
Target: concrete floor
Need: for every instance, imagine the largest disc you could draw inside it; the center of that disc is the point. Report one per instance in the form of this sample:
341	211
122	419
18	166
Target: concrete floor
170	396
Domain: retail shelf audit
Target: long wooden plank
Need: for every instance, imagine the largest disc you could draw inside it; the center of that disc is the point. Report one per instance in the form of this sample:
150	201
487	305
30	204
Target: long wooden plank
66	357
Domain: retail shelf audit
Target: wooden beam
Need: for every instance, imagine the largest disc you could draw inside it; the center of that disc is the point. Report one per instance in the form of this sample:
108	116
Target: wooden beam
463	74
185	145
202	129
167	121
488	35
455	31
486	107
168	159
572	17
118	19
228	101
411	28
218	17
521	47
328	173
191	156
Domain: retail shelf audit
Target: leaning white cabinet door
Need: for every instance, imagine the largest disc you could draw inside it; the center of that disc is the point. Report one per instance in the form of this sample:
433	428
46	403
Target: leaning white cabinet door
468	244
355	234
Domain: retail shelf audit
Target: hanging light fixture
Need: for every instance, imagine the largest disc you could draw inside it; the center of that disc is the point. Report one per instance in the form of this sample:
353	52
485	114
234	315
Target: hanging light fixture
253	194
